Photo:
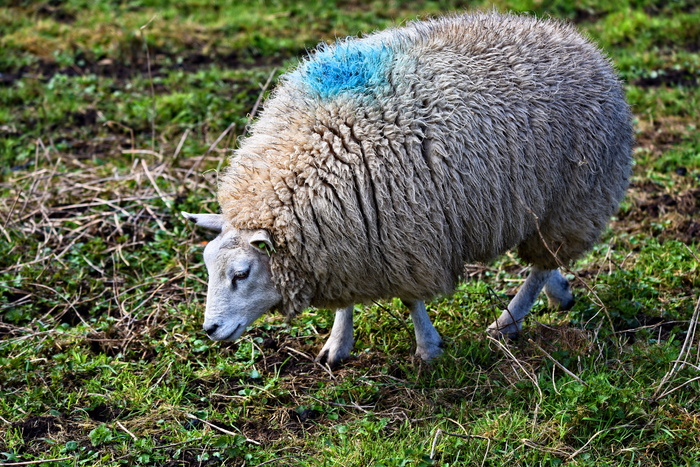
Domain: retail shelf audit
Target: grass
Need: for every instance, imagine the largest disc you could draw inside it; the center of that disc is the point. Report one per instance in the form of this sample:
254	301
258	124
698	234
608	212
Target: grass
102	357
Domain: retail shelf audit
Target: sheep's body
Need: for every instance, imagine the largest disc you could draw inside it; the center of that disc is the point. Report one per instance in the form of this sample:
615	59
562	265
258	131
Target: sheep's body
381	165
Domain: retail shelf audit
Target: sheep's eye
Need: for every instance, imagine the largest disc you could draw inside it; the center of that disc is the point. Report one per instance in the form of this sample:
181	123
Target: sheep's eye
240	275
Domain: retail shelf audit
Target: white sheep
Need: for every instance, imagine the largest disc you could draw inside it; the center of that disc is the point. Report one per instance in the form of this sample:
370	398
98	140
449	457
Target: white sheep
381	165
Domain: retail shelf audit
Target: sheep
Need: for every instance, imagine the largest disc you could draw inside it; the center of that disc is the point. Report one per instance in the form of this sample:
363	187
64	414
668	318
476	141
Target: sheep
381	165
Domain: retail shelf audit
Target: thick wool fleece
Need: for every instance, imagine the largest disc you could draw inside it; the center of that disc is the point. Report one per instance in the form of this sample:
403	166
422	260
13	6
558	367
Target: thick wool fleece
381	165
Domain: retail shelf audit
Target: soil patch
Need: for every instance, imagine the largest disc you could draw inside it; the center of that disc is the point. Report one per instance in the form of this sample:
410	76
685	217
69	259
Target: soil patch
56	13
38	427
261	431
669	77
104	413
680	212
655	325
661	134
161	64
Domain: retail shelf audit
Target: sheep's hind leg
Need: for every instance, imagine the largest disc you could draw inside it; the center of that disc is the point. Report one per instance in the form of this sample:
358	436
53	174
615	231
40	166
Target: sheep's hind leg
558	291
428	341
339	344
511	320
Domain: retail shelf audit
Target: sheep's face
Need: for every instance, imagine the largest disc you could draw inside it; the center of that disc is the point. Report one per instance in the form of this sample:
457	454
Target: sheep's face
240	286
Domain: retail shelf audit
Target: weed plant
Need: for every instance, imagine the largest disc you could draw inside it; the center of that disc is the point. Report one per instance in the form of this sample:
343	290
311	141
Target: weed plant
115	116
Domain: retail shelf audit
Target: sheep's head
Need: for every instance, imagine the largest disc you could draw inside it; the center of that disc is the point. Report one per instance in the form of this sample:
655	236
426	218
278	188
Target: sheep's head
240	285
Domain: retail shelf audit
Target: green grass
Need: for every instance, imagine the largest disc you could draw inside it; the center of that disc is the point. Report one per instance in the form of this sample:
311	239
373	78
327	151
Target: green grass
102	357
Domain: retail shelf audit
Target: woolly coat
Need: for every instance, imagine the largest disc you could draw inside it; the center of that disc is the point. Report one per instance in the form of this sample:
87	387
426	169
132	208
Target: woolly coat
381	165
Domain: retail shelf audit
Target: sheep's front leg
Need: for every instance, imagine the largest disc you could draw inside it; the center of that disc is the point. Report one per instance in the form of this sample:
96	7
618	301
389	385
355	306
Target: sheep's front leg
340	342
511	320
428	341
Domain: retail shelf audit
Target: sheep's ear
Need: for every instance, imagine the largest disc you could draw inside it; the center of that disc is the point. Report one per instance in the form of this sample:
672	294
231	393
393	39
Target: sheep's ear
208	221
262	241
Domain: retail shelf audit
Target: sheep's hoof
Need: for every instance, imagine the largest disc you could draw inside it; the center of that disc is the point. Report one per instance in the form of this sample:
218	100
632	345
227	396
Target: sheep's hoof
506	331
333	353
564	305
428	355
429	352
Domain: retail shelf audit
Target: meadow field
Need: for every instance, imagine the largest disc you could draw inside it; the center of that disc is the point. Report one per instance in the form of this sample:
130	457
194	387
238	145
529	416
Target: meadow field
115	115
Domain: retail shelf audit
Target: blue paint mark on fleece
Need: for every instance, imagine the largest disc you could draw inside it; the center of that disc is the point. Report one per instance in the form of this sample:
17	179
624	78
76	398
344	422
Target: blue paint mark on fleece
353	66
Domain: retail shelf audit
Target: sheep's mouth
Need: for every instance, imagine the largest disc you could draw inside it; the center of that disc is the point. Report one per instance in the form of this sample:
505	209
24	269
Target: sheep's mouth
233	335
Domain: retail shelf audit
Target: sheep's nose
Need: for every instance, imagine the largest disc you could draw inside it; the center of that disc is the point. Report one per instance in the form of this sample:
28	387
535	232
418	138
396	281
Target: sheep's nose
211	329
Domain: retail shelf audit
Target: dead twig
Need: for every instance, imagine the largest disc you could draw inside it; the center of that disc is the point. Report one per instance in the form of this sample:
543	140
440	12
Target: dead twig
275	460
680	361
133	436
222	430
109	123
326	368
152	117
39	461
181	143
354	405
148	152
260	96
583	448
440	432
559	365
541	448
530	376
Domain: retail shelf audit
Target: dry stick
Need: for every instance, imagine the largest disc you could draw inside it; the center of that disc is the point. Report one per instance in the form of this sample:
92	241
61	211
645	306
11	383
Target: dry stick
68	303
143	151
12	208
130	314
7	235
126	430
582	448
195	166
56	257
150	78
161	447
181	143
109	123
260	96
680	363
153	386
101	202
562	367
539	447
440	431
275	460
117	208
692	253
177	444
34	182
30	176
354	405
254	110
93	266
155	185
508	353
697	378
39	142
650	326
231	433
46	192
325	367
393	315
38	462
